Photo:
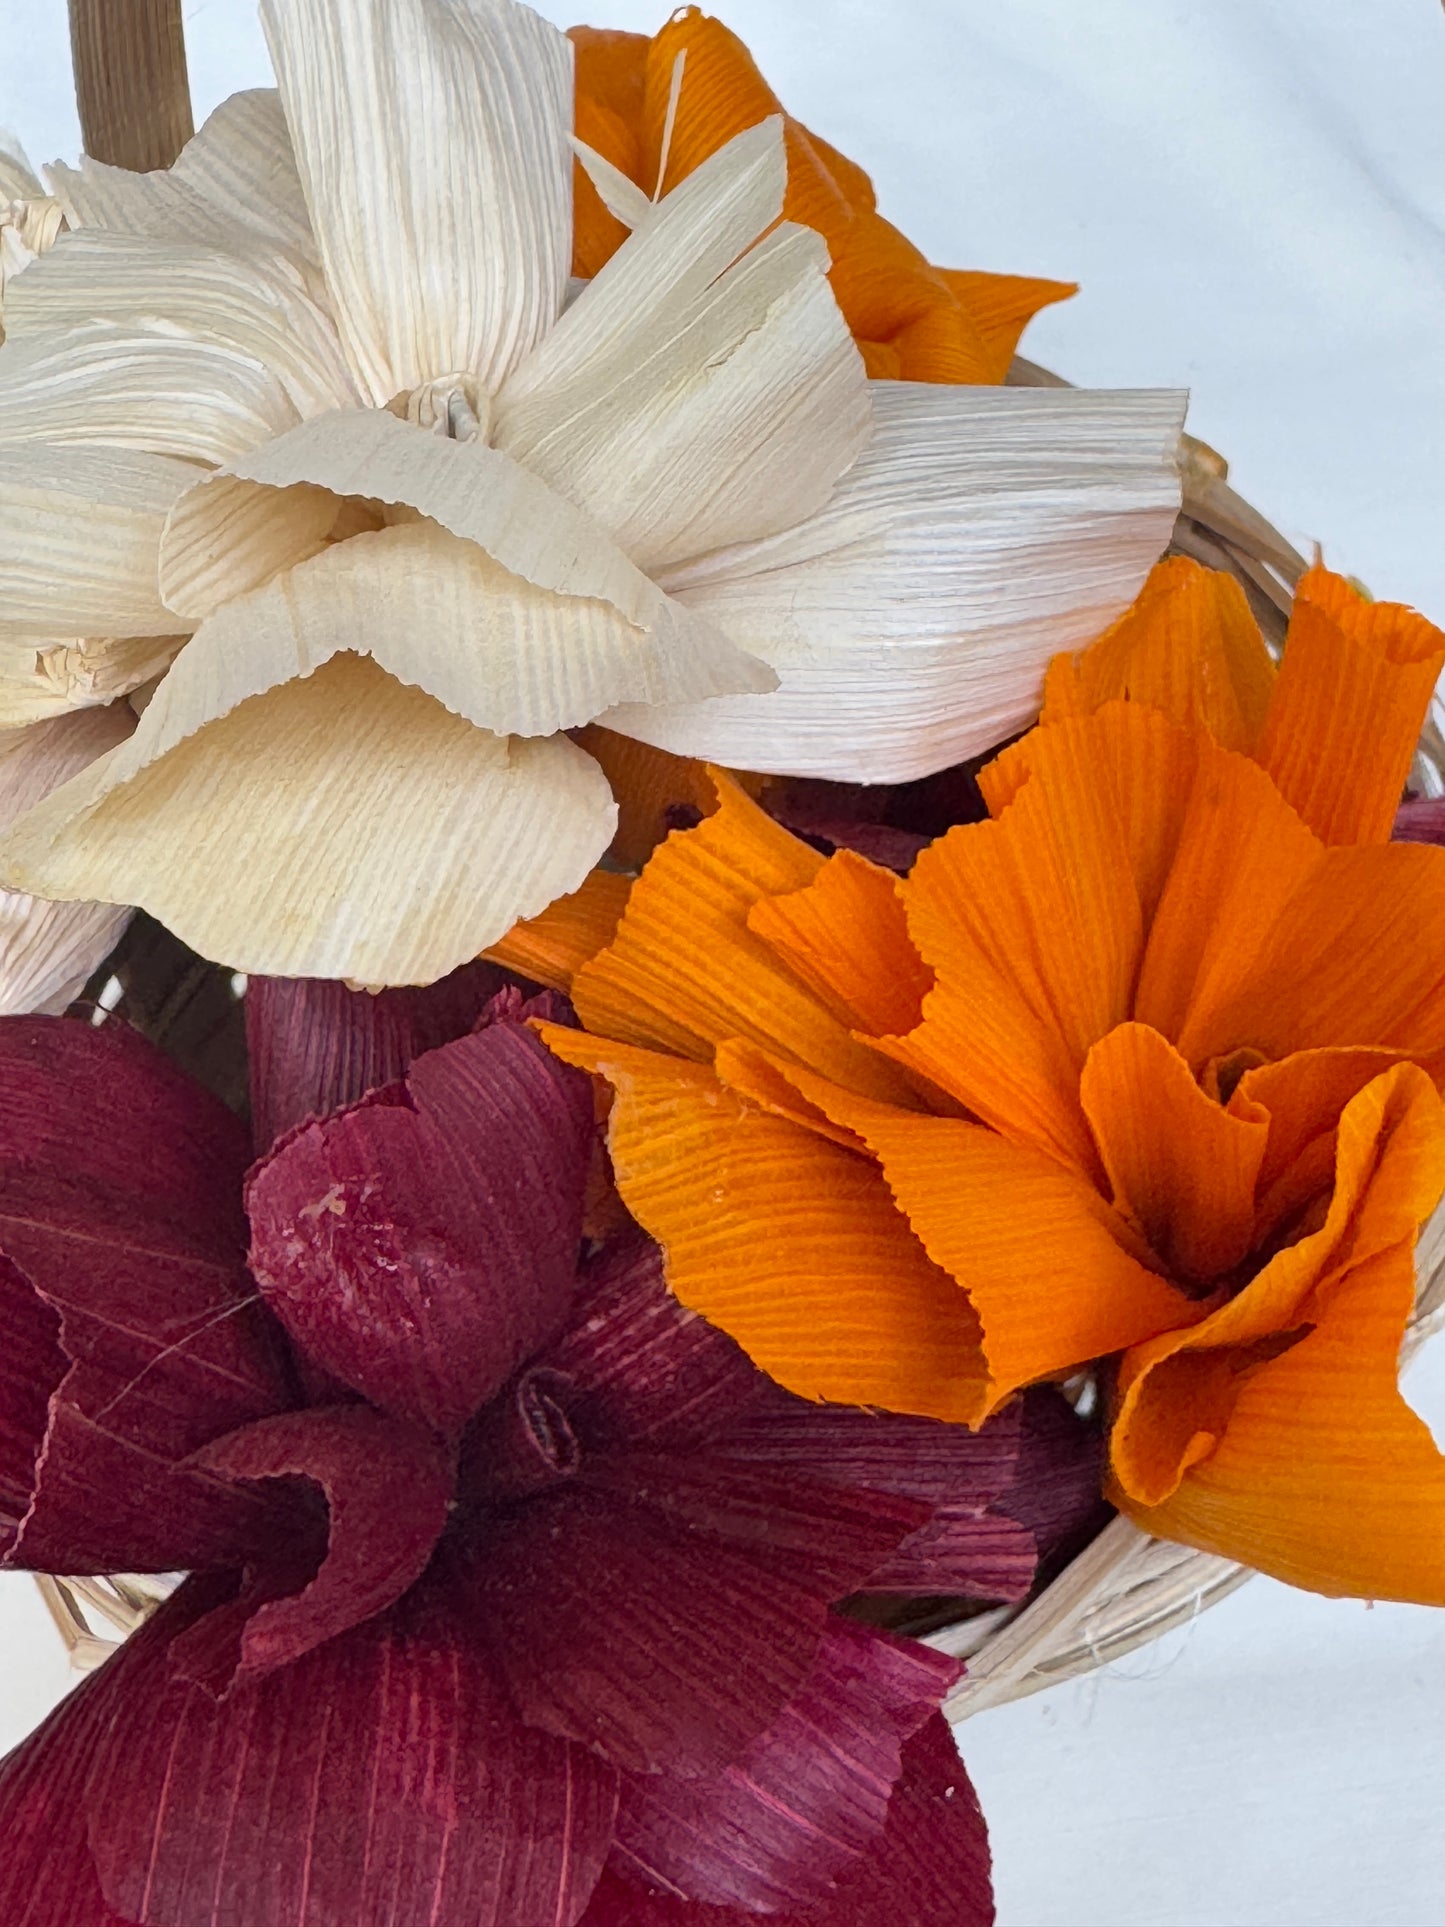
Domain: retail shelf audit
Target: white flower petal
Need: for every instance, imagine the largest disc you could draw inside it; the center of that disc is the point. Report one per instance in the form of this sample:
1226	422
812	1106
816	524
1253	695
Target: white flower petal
620	194
439	612
339	826
48	950
18	180
50	678
982	531
122	387
227	537
256	304
431	138
472	490
719	422
82	534
29	219
235	183
714	215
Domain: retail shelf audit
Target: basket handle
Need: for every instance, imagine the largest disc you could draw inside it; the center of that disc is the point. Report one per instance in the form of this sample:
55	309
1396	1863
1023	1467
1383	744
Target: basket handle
129	58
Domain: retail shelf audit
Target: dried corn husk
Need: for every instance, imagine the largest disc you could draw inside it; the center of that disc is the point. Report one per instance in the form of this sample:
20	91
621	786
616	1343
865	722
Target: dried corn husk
671	499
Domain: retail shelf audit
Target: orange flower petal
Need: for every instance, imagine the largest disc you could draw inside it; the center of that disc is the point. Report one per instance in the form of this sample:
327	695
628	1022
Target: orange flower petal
1324	1477
1001	306
881	361
722	94
1176	1392
1304	1096
611	69
1044	1260
1353	690
550	949
893	297
771	1084
647	784
912	321
1182	1168
1356	956
684	972
846	937
855	185
982	1045
1034	923
1240	856
1147	765
1189	646
1041	1255
1237	860
788	1242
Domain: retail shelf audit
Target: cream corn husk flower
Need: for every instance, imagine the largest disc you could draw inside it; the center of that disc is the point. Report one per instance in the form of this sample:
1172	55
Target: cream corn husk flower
321	400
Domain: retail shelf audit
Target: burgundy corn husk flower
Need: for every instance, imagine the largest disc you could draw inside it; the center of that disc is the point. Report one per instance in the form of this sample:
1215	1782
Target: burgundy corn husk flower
512	1581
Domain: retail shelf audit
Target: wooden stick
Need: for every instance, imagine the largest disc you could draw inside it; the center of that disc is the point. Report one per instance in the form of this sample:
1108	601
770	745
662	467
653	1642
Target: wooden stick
129	58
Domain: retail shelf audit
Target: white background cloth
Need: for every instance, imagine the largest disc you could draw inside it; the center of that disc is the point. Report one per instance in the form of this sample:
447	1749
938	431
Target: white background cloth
1252	193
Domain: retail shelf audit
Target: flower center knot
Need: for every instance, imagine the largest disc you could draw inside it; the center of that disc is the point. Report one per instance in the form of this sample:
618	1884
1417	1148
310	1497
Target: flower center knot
524	1441
456	407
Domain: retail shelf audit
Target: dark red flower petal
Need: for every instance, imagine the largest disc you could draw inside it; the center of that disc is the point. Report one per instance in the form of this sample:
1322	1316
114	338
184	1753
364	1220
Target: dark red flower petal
31	1366
119	1194
645	1369
775	1831
979	1554
1421	819
664	1648
315	1046
100	1108
387	1489
930	1868
826	1537
967	1544
880	843
934	1869
423	1244
888	1452
665	1607
861	815
382	1781
1057	1489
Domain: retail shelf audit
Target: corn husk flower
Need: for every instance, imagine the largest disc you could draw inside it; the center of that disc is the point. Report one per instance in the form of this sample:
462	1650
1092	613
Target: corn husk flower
1145	1070
511	1582
318	399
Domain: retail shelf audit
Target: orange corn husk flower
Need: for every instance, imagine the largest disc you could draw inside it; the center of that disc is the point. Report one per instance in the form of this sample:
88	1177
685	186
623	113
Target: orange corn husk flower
1143	1069
913	321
